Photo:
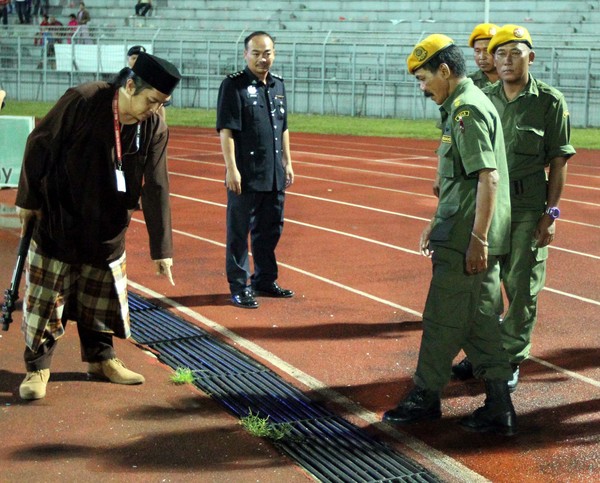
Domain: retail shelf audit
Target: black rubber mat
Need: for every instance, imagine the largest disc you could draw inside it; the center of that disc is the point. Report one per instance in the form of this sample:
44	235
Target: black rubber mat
326	445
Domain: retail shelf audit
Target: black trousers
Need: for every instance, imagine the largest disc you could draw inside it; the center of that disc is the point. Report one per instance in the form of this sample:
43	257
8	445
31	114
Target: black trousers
95	347
259	214
23	12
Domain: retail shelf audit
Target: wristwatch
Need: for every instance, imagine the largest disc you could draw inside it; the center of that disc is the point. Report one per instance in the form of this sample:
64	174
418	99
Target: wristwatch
553	212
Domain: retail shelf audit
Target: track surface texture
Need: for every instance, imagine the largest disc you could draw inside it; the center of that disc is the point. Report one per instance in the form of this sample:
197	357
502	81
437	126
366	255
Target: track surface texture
349	338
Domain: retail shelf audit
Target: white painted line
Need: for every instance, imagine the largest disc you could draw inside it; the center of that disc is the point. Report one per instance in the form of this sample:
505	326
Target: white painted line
367	240
572	374
579	202
359	185
362	207
589	255
437	458
582	187
573	296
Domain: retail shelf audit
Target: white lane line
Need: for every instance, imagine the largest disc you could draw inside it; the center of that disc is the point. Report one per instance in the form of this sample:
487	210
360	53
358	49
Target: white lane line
589	255
356	237
589	225
582	187
359	185
435	457
363	207
356	291
572	374
573	296
579	202
214	180
327	180
338	284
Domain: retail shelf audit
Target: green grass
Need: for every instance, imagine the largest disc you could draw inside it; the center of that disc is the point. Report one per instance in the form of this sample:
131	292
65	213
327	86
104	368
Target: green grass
581	138
182	375
262	428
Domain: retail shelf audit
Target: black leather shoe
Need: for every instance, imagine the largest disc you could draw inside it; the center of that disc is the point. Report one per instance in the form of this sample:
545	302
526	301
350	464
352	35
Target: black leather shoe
463	371
420	405
245	299
273	290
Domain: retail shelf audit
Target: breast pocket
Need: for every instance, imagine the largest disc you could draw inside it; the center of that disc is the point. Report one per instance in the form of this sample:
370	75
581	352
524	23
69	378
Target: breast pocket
279	109
529	140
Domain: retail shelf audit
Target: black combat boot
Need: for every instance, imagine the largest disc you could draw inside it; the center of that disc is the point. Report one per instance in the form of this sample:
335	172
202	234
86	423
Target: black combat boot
463	370
497	415
420	404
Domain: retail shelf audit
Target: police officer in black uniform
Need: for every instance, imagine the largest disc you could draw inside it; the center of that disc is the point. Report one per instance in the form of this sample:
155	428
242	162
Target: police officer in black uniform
252	124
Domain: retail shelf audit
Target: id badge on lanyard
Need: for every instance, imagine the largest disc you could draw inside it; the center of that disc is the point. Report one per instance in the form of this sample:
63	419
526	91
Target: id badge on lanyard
119	174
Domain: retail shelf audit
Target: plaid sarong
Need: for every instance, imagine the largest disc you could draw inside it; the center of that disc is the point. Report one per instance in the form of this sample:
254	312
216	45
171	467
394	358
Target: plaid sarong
94	297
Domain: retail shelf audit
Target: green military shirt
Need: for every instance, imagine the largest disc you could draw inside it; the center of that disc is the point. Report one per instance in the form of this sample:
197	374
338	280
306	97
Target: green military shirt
537	129
480	79
472	140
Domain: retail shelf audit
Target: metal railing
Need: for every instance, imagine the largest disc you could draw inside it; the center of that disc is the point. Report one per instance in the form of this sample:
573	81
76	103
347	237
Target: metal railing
325	72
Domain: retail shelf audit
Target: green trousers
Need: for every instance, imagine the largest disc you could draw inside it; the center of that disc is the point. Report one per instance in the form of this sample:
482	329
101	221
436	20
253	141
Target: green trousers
462	311
523	273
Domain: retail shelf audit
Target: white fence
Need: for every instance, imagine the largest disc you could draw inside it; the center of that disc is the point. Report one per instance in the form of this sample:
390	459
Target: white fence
341	73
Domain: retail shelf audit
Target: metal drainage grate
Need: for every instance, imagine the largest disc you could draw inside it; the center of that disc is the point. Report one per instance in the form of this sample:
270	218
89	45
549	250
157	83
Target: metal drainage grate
327	446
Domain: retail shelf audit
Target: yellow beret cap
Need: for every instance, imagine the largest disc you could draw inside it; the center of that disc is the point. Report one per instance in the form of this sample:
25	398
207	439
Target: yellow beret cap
426	49
509	33
482	31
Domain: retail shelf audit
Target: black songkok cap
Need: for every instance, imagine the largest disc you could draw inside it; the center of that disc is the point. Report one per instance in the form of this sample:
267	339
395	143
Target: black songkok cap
136	50
159	73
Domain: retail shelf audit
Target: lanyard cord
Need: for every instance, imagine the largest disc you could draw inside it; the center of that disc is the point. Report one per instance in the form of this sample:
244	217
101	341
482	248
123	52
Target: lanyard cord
116	125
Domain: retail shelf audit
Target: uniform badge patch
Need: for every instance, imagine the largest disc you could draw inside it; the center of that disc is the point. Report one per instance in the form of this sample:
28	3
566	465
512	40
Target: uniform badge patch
460	115
420	53
446	139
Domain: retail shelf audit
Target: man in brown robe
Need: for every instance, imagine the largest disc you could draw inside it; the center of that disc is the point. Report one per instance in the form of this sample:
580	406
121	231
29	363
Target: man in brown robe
85	166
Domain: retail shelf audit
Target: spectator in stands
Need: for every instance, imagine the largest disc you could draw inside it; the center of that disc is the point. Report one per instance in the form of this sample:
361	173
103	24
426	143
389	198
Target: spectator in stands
143	7
252	124
73	26
39	9
464	239
83	18
110	141
537	132
23	11
132	54
38	38
479	41
56	27
4	4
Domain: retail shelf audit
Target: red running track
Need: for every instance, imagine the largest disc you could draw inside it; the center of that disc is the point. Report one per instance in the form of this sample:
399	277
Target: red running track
351	335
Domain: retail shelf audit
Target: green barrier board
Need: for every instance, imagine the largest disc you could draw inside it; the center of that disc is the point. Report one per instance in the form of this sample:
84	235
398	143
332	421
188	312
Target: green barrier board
14	131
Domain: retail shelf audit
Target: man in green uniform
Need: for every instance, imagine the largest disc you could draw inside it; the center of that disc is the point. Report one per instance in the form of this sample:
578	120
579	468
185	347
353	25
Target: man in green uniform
537	135
465	237
479	41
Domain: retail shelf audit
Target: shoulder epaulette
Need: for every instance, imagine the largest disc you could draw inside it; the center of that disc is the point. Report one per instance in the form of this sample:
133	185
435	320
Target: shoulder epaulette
235	74
277	77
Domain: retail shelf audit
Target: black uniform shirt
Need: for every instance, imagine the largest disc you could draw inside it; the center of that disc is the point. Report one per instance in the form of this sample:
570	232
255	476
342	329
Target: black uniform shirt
256	113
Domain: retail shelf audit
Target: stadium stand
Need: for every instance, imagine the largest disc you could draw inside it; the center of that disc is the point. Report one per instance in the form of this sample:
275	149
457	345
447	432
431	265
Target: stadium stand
340	57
